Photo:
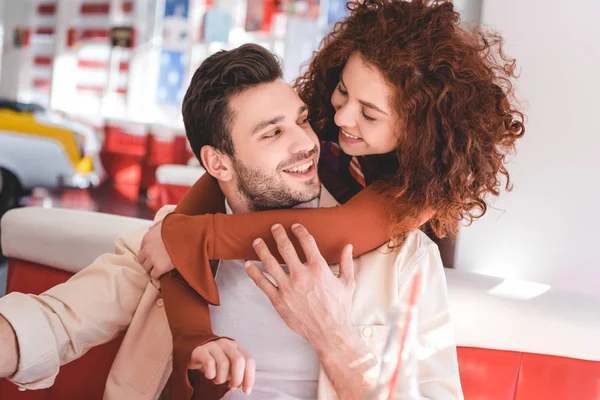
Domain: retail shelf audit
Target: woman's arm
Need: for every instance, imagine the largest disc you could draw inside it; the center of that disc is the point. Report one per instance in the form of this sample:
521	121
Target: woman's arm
192	241
189	320
187	312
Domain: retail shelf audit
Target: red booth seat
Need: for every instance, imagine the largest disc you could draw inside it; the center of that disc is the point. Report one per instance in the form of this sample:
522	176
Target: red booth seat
516	340
521	340
122	155
173	182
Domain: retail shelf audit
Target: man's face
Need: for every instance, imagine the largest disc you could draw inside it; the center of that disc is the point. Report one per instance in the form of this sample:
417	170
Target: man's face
276	150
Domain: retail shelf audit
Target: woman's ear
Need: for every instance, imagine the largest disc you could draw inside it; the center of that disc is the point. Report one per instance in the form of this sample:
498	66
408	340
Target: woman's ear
216	163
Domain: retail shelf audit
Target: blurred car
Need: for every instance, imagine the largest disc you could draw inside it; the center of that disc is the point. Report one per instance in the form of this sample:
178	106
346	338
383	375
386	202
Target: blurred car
40	148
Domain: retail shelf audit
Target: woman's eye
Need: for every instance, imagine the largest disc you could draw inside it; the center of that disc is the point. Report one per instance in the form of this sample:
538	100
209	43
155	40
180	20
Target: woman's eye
370	119
303	121
342	91
272	134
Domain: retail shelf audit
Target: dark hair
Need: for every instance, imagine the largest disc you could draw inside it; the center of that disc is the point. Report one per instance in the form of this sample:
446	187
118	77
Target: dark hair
206	113
452	92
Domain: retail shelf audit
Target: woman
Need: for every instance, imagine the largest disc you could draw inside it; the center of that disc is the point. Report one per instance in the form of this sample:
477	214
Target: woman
431	142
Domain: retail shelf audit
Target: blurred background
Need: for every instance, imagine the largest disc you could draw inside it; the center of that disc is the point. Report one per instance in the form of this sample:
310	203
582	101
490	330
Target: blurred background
106	78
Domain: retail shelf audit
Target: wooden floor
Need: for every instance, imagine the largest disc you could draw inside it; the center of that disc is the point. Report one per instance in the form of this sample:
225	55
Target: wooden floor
105	198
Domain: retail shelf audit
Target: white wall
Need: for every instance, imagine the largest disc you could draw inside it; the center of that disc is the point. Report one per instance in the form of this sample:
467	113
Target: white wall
549	230
470	10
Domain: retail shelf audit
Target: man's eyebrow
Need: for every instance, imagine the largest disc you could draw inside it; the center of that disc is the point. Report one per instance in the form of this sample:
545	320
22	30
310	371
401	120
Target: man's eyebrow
264	124
365	103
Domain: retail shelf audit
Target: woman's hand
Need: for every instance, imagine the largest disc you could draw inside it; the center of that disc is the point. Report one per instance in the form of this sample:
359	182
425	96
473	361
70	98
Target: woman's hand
153	253
311	300
225	360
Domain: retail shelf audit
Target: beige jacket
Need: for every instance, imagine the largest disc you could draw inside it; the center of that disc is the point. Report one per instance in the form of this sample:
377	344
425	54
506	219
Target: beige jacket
115	294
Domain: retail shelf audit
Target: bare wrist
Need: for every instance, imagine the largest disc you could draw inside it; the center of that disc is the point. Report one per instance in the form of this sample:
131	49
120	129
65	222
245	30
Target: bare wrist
344	346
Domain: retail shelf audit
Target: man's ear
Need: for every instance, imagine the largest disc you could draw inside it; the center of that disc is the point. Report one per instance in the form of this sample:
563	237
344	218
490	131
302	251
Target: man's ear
216	163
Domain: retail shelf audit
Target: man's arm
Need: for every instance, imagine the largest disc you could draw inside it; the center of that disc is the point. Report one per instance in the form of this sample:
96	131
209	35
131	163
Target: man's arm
8	349
63	323
347	362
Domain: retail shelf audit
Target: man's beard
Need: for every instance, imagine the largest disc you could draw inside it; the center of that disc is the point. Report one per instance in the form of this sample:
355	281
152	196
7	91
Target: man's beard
261	191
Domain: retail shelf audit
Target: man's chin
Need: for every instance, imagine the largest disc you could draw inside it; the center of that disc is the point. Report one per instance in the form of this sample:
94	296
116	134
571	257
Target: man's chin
305	192
308	186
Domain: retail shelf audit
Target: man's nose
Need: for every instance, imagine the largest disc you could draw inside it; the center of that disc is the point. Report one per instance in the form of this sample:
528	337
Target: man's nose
303	140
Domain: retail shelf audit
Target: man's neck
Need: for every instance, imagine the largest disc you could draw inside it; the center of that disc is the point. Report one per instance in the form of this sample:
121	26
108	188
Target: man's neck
236	203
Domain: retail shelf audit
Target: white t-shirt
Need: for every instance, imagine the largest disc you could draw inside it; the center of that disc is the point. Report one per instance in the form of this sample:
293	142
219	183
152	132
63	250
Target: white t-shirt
287	367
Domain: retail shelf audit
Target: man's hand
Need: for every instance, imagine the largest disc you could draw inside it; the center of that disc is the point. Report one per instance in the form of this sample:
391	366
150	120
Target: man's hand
316	304
225	360
311	299
153	253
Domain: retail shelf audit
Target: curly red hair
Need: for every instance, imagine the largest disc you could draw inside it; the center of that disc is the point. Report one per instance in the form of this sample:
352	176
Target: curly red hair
452	92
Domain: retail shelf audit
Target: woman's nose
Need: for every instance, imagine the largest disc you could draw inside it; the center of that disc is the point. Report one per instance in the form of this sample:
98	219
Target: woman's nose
344	116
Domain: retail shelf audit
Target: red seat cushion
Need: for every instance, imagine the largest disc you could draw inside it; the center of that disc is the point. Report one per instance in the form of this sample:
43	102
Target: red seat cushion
488	374
549	377
507	375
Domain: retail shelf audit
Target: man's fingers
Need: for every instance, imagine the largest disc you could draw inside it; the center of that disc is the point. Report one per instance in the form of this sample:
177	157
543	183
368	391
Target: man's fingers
269	262
222	364
285	246
347	266
260	280
307	241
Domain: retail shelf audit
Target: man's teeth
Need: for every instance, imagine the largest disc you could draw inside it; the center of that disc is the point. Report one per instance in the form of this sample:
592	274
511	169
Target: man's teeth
350	136
302	168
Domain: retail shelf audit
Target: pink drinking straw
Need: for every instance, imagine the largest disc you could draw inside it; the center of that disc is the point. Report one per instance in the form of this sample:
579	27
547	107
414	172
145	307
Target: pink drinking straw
412	301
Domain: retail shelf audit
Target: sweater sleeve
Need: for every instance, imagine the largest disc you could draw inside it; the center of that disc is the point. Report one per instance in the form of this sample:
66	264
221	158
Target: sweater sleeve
193	240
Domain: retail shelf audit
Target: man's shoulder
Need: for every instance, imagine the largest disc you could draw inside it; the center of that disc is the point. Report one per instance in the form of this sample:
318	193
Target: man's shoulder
163	212
418	241
415	246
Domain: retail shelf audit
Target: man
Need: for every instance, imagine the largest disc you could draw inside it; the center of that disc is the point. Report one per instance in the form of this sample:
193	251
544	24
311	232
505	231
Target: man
301	349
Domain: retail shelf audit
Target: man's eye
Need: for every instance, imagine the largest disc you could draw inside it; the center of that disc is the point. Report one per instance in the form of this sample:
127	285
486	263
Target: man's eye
272	134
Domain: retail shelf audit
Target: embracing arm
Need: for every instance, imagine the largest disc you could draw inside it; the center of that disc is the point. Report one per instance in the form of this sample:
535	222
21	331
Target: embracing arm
192	240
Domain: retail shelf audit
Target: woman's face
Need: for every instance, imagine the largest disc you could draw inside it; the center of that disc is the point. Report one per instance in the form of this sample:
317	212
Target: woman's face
362	110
